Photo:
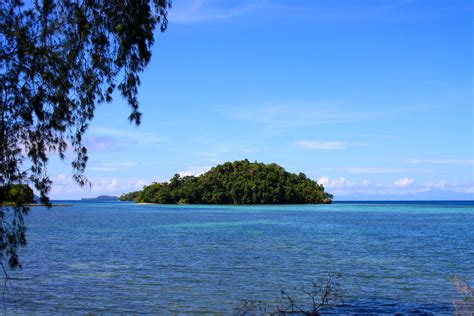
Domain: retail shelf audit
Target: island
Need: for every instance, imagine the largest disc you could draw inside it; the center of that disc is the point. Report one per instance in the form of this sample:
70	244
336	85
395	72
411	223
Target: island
238	182
102	198
16	194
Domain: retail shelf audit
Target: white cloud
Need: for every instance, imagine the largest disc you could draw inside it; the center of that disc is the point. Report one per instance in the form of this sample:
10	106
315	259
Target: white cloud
469	189
105	186
442	161
344	186
336	183
322	145
194	171
323	180
376	170
449	186
405	186
405	182
438	184
65	187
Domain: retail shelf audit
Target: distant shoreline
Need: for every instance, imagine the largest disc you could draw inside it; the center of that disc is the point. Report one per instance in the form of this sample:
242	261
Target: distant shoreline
38	204
71	203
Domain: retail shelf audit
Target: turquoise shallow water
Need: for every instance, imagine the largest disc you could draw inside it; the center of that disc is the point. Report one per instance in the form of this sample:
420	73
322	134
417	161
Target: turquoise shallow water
116	257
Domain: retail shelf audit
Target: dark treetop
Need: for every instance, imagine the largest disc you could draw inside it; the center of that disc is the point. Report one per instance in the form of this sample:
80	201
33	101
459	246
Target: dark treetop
238	182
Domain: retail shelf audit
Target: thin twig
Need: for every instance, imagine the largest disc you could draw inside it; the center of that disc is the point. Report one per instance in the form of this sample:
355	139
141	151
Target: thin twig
4	288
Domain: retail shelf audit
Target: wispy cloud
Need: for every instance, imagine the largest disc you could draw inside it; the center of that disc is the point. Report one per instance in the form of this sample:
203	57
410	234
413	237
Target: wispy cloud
211	157
100	143
110	165
445	185
65	186
195	11
317	144
334	183
215	153
441	184
344	186
126	136
442	161
140	184
405	182
380	10
192	11
376	170
296	115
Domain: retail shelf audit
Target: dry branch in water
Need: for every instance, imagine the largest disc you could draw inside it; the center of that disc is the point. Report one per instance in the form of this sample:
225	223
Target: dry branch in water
323	293
466	305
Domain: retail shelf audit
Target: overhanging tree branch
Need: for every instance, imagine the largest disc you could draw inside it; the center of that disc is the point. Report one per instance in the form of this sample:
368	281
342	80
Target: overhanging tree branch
59	59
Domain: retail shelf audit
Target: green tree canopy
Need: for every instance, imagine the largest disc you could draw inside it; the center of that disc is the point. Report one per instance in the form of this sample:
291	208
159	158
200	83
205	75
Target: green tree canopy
16	194
59	59
238	182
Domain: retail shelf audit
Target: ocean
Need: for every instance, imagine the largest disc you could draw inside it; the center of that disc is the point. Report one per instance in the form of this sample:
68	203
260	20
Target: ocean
125	258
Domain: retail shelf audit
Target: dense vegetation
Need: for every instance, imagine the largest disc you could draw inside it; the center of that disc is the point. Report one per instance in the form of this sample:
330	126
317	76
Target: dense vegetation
16	194
239	182
132	196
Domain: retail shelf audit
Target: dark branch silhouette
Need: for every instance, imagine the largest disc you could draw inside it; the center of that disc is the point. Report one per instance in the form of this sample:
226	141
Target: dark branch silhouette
465	306
58	61
324	293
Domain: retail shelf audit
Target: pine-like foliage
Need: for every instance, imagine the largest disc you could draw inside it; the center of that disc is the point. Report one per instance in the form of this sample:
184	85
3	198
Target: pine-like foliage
59	59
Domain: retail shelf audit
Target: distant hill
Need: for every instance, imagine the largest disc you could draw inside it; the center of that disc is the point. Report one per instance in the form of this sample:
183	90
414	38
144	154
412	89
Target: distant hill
102	198
238	182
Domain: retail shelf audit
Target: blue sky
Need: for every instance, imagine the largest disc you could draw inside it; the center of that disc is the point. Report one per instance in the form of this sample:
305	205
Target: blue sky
374	99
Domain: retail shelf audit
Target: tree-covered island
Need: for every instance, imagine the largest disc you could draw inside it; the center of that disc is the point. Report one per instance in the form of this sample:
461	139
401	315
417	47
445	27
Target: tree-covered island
238	182
16	194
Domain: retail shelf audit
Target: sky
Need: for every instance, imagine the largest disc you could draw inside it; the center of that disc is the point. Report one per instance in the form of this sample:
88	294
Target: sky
373	99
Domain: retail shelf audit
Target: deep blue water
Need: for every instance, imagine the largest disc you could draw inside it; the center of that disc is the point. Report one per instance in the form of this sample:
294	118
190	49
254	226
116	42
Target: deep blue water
119	257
